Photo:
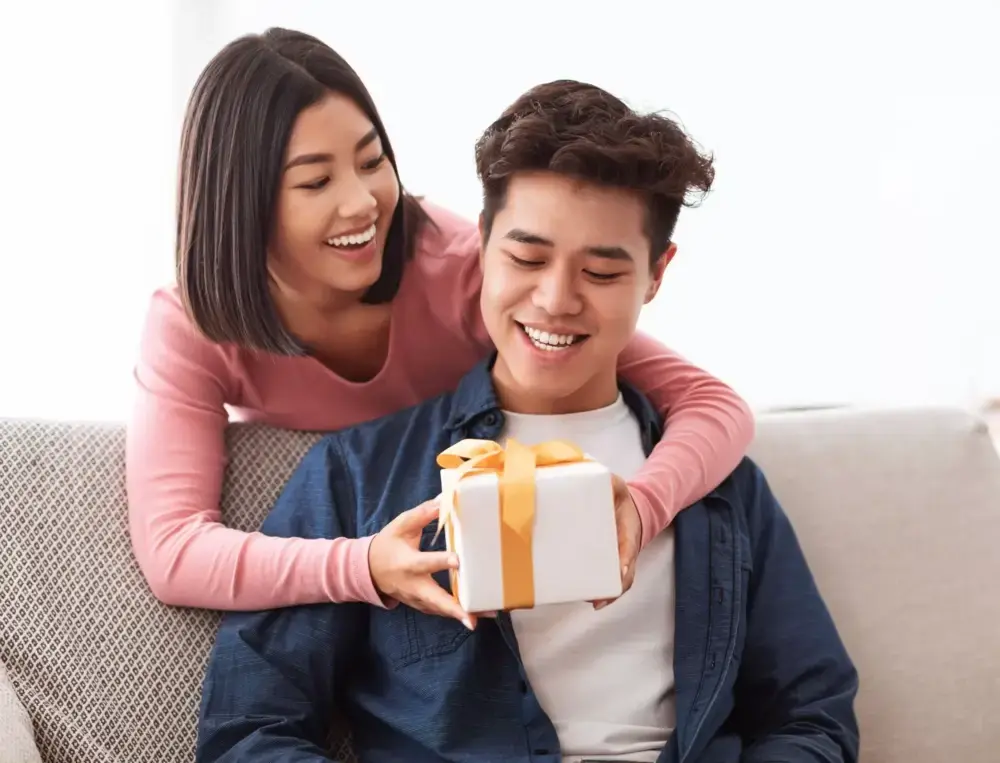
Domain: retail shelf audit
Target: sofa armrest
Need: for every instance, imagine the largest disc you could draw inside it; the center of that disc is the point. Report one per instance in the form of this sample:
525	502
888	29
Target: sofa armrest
17	737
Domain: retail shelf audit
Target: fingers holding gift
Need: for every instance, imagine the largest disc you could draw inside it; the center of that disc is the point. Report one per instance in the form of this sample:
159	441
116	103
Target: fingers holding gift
414	521
629	529
431	599
406	578
402	572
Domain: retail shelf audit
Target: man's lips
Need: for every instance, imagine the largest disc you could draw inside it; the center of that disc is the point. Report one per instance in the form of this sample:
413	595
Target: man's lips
554	339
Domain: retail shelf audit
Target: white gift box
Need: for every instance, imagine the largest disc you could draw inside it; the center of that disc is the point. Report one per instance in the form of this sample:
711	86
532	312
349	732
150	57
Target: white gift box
574	537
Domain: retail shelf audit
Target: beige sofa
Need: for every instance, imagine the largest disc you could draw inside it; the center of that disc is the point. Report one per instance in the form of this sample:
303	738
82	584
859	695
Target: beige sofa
899	513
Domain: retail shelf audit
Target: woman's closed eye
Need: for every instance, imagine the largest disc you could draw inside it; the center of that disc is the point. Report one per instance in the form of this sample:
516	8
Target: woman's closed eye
317	184
320	183
374	164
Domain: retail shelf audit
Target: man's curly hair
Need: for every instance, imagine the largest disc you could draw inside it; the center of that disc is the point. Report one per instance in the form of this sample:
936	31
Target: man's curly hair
582	131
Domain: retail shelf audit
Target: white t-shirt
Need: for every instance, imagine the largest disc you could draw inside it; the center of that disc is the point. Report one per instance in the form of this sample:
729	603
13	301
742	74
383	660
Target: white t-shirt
604	678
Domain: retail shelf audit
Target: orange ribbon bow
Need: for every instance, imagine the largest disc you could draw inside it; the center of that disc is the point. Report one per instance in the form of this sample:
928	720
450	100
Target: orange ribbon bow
515	469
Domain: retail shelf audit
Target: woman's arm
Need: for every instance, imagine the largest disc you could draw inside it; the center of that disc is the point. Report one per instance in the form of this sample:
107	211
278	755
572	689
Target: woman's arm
175	462
708	426
708	430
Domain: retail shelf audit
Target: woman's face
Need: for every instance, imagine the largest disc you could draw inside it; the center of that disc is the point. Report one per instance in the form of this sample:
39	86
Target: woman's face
337	196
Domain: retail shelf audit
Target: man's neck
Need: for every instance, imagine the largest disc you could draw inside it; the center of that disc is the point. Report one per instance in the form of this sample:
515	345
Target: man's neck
599	392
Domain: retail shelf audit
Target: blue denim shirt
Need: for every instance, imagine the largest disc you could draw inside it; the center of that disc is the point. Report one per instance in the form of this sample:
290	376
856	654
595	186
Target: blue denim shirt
761	674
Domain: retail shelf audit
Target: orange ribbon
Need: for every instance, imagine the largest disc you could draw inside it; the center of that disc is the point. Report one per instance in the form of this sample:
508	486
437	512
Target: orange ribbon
515	469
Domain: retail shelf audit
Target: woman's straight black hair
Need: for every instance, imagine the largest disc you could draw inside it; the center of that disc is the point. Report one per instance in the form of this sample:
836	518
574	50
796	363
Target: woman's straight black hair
236	130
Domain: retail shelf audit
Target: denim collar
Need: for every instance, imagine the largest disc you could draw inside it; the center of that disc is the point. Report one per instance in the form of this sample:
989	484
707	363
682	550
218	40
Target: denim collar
476	408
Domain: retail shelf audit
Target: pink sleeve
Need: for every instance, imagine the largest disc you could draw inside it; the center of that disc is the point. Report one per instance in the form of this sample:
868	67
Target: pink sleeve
452	267
175	462
708	430
708	426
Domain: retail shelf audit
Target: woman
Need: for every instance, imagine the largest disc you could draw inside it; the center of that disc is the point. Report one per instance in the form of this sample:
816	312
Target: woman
314	293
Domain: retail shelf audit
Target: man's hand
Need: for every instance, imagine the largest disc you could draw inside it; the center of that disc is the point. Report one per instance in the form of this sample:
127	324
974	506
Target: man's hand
629	534
401	571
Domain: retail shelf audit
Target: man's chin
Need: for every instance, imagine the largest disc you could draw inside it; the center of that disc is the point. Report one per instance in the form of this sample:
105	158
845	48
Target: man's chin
538	390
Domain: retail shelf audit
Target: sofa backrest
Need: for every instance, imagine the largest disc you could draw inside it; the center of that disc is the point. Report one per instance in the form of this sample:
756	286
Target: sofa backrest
107	673
898	512
899	516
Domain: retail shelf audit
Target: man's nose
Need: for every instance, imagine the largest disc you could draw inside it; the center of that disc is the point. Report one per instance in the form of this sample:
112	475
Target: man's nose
557	293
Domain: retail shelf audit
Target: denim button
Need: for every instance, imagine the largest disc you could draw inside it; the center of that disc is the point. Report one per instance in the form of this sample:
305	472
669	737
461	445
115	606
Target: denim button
491	419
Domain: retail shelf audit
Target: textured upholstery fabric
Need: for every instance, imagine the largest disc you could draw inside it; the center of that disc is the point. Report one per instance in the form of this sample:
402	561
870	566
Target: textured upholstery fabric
898	512
107	673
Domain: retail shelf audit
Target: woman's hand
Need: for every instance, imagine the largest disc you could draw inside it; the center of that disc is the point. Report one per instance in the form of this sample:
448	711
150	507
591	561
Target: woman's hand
629	534
402	572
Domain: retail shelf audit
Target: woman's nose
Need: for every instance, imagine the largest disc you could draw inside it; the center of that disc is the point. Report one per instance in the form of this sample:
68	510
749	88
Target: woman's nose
357	199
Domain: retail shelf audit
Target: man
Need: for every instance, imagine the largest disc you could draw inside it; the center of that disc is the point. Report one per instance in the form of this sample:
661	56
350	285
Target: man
721	651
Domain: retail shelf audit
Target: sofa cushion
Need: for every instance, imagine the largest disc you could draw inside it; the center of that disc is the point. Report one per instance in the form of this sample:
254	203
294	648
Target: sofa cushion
898	512
108	674
17	740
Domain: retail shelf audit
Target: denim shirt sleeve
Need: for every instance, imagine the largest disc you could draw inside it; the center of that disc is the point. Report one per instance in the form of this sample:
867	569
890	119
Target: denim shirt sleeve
796	686
269	688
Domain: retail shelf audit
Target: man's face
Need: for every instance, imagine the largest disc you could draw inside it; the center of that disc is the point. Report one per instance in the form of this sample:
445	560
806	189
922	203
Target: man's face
566	271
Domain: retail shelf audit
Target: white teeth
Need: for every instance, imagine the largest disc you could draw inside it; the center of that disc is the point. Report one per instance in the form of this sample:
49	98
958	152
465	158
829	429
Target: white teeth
544	340
353	240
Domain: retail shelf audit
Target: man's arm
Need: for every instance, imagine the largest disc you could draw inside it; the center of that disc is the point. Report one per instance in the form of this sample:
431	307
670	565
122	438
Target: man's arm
796	687
269	689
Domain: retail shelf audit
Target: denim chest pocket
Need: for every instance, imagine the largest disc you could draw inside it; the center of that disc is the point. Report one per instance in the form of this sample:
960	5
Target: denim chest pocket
407	636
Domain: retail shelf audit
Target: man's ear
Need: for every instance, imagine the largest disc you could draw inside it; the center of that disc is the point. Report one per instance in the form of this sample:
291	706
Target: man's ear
658	269
482	239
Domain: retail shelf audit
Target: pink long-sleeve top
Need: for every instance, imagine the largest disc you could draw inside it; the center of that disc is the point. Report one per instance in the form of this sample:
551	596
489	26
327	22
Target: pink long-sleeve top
176	454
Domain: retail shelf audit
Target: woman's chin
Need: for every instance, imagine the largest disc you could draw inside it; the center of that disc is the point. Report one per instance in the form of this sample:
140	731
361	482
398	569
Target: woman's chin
355	279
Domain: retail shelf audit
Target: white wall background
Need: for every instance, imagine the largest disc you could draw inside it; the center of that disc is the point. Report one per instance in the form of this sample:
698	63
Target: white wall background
849	253
89	149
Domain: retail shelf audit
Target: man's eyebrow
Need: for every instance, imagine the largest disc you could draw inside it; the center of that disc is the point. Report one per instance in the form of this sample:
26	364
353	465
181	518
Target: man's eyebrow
610	253
605	252
524	237
318	158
